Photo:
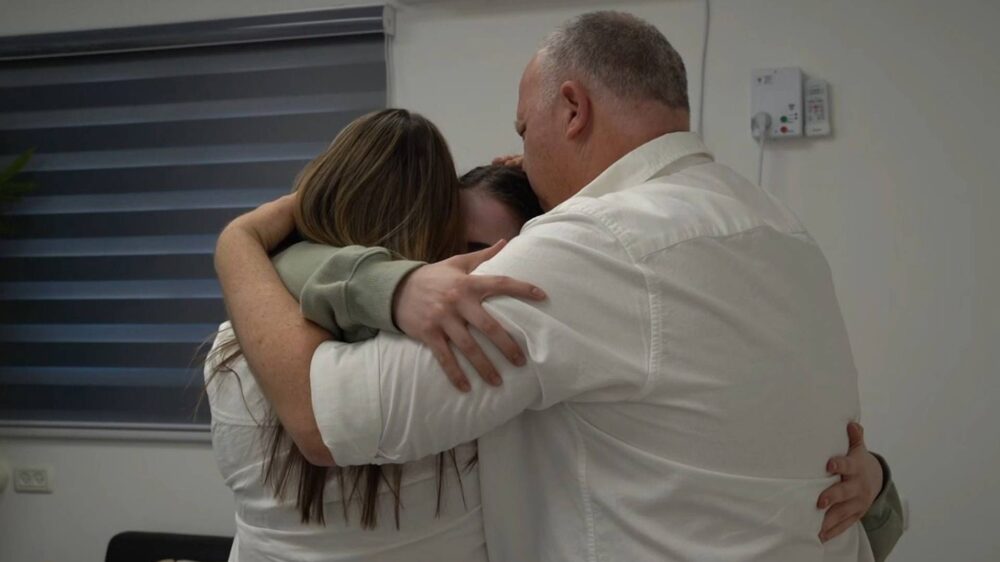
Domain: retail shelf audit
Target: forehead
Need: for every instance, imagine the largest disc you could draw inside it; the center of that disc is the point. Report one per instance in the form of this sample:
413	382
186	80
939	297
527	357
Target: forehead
487	219
527	85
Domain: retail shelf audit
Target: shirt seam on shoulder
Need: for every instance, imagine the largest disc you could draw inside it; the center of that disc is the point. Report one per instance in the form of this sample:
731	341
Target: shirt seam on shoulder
725	236
652	307
587	208
655	319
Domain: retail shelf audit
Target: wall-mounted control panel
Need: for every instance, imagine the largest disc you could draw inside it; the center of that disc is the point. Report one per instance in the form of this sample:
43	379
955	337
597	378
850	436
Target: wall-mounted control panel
817	107
778	93
797	105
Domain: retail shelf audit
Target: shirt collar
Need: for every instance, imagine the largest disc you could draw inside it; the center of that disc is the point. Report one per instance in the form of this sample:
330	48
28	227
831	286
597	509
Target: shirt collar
655	158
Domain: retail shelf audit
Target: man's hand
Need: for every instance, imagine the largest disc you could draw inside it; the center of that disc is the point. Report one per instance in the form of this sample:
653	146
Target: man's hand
512	160
860	483
437	303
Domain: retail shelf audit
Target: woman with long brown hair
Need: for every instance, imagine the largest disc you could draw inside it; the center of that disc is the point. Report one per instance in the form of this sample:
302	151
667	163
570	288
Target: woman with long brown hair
387	180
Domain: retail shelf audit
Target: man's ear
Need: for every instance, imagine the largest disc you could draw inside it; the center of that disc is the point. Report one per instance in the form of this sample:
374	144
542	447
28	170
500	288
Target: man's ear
576	101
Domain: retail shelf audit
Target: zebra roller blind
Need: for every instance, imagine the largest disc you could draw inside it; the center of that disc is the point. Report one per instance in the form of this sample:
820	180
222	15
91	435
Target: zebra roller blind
148	141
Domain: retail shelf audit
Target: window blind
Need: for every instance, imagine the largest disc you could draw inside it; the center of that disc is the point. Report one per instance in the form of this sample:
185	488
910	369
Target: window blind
148	141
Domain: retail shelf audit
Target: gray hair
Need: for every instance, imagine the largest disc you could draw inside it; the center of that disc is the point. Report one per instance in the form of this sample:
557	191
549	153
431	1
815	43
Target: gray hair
620	52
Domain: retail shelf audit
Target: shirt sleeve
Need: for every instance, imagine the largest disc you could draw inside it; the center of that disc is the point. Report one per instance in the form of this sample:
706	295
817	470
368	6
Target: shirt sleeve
349	289
884	521
386	400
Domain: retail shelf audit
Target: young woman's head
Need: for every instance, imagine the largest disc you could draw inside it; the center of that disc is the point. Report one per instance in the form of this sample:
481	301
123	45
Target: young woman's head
387	180
496	202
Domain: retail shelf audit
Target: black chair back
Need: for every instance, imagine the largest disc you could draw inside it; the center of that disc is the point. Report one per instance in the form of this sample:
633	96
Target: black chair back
134	546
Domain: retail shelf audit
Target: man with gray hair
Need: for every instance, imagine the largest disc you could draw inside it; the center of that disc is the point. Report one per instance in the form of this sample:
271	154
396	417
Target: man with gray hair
684	383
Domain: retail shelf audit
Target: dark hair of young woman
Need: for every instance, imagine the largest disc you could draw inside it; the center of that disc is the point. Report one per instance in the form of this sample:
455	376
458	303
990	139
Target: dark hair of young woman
507	184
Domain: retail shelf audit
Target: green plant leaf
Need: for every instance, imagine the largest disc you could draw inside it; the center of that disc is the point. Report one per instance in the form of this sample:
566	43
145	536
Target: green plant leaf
16	166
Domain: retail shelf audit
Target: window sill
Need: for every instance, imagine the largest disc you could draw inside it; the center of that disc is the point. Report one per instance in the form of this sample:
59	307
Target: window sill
174	433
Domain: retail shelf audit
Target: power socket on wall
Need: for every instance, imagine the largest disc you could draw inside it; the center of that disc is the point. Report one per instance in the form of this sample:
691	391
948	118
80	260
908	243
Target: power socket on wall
779	93
33	480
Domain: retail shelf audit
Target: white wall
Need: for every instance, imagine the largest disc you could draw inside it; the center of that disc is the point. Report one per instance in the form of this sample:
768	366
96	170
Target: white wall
459	63
901	198
903	201
105	487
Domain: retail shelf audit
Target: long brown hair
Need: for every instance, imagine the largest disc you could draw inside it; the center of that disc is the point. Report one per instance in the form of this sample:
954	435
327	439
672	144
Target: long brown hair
388	179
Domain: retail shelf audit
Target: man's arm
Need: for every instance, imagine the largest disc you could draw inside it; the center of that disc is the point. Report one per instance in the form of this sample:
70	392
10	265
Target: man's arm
384	400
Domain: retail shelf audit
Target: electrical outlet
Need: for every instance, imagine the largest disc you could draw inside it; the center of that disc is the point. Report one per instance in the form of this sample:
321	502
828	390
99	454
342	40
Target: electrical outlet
778	93
33	480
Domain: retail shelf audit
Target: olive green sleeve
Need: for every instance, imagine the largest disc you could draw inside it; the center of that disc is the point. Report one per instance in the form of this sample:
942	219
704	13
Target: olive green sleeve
884	521
349	288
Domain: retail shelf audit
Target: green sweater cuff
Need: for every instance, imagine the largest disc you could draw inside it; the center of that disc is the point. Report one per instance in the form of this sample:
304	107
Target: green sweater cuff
884	521
349	288
881	507
371	290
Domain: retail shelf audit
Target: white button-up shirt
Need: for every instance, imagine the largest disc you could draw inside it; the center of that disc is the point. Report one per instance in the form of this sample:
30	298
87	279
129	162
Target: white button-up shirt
687	379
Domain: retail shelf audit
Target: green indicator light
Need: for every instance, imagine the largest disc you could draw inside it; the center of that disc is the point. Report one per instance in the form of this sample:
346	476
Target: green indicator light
784	119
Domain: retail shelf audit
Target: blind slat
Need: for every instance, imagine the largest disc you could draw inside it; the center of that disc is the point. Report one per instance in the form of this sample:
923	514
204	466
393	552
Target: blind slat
175	156
178	89
101	376
189	111
127	246
186	309
93	268
98	354
108	68
184	132
137	223
106	405
105	333
354	21
135	202
156	178
79	290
